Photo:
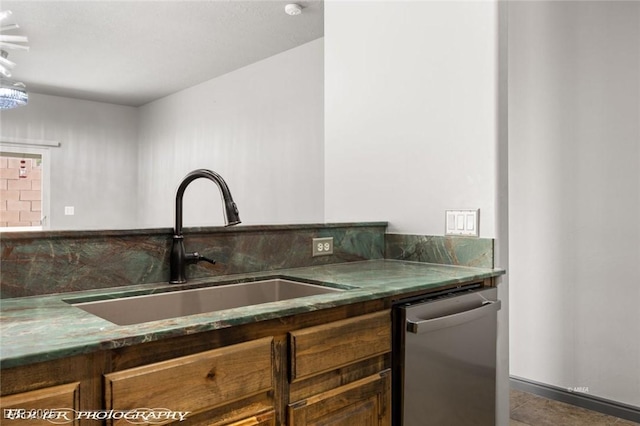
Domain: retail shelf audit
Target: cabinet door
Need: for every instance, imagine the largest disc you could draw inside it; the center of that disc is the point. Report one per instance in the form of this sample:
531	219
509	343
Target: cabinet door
55	404
196	383
365	402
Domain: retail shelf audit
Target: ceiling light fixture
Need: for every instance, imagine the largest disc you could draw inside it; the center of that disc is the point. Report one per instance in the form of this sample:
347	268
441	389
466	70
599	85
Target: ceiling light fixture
293	9
12	94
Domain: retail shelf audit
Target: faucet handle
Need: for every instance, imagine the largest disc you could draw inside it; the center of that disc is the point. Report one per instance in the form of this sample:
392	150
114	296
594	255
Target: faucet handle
197	257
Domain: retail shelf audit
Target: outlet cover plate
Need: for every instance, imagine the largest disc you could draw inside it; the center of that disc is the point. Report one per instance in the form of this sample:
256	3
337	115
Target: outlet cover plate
462	222
322	246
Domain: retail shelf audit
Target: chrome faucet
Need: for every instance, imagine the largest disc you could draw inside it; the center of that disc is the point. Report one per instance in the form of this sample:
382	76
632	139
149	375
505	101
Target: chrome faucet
179	259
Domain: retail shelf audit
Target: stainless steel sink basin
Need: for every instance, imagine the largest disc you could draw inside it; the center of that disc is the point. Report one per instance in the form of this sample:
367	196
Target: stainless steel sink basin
152	307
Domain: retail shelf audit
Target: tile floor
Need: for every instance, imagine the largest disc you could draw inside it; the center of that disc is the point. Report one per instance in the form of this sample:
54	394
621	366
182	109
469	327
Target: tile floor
532	410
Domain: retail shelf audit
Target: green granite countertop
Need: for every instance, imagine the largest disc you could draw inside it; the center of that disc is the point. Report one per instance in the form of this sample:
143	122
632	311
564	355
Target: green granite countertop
41	328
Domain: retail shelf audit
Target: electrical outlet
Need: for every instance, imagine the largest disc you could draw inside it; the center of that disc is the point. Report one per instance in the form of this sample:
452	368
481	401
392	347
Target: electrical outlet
462	222
322	246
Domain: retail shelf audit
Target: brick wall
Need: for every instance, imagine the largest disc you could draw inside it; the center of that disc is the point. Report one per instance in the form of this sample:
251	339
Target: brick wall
20	191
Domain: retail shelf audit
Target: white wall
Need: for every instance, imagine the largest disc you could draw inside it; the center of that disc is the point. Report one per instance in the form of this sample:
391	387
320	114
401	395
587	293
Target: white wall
97	158
412	122
411	112
260	128
574	113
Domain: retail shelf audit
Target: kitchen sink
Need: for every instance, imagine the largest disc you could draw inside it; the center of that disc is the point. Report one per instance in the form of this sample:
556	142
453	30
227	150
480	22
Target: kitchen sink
152	307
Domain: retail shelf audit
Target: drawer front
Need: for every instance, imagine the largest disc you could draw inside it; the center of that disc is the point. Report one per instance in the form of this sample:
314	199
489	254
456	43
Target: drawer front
329	346
197	382
366	402
16	409
264	419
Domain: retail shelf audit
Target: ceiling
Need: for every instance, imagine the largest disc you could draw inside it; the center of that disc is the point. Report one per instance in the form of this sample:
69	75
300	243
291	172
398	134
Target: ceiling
132	52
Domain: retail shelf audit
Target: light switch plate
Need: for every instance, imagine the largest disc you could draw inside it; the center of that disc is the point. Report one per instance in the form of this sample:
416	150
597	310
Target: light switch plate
462	222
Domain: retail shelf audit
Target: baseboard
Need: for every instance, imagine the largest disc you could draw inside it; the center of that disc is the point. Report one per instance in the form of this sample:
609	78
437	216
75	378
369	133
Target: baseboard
601	405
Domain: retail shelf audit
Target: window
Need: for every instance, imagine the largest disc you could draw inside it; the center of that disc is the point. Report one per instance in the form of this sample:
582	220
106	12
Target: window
23	189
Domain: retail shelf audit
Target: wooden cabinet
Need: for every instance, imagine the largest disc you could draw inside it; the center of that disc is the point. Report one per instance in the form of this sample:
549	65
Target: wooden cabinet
316	368
329	373
201	382
365	402
340	373
70	384
329	346
35	407
263	419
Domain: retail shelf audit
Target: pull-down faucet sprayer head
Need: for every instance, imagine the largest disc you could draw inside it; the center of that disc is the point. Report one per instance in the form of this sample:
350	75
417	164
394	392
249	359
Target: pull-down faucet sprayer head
231	214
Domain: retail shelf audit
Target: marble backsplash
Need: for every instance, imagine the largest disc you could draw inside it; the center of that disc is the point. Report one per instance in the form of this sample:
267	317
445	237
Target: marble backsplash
35	263
461	251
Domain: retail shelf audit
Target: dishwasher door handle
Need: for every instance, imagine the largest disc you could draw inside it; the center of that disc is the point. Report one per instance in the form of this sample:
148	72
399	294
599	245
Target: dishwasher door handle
424	326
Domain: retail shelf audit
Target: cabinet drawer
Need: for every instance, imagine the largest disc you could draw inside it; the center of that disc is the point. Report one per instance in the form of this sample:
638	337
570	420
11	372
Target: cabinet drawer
197	382
329	346
366	402
63	398
263	419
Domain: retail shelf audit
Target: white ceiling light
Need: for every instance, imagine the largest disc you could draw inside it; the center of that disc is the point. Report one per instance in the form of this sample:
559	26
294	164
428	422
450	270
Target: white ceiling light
12	94
293	9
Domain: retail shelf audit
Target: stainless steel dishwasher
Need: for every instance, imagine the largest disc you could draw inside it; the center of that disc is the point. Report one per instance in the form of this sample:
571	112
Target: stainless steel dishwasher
445	358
